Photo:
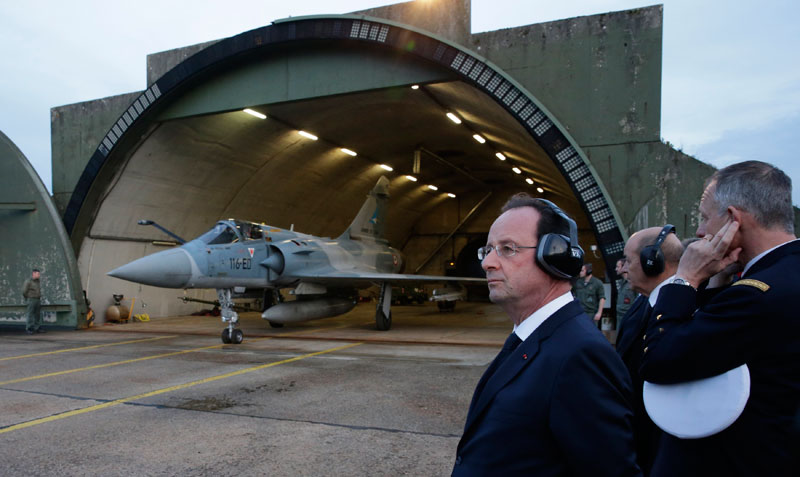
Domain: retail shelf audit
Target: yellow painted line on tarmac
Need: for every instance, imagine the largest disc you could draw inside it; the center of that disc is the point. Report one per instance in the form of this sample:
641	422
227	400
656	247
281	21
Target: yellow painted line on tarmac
107	365
46	353
127	361
105	405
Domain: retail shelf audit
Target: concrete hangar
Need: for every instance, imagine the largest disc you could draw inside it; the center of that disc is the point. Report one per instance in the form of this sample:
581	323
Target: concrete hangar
566	110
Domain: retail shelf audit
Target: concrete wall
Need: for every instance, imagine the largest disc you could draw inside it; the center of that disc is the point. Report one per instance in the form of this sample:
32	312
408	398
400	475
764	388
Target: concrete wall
75	132
600	75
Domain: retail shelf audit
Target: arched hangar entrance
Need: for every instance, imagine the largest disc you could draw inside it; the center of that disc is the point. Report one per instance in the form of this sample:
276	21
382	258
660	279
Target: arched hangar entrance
186	154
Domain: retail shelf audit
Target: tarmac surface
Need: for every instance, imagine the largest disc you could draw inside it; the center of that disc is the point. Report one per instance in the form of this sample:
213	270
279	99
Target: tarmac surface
167	397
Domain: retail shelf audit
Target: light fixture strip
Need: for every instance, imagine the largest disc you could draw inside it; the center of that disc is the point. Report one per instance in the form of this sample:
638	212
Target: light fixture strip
307	135
349	152
454	118
255	113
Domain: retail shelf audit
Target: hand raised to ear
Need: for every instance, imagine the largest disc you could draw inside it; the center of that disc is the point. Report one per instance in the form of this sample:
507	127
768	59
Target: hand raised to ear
709	256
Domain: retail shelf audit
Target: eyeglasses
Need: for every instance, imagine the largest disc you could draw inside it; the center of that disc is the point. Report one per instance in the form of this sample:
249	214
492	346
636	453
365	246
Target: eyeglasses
503	250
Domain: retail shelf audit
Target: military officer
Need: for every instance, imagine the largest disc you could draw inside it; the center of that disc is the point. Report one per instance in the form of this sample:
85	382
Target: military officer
747	226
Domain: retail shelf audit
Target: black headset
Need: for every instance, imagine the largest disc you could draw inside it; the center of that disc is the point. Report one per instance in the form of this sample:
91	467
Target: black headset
651	257
559	255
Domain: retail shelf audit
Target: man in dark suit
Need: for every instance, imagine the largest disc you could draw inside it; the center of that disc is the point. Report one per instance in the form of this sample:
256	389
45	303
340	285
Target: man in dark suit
556	400
747	225
646	280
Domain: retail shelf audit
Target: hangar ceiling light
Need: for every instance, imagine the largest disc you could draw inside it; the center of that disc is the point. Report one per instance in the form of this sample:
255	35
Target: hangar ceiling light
454	118
411	178
529	181
500	156
252	112
349	152
540	190
517	170
307	135
479	138
386	167
451	195
433	187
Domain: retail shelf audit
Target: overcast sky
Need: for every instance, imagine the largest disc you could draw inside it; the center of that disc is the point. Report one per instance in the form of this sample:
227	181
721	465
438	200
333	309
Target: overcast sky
730	88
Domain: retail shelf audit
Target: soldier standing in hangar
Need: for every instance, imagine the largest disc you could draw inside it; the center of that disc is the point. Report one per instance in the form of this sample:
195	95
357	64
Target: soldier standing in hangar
590	293
32	291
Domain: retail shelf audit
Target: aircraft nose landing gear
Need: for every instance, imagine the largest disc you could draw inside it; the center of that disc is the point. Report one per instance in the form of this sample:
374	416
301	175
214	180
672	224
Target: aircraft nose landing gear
231	334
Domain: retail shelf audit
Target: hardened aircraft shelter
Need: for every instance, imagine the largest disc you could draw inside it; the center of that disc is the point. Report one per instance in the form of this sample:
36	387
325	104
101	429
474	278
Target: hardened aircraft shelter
293	123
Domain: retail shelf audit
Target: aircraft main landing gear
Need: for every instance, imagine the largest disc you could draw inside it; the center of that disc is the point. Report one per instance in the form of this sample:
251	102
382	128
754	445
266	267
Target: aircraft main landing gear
383	312
231	334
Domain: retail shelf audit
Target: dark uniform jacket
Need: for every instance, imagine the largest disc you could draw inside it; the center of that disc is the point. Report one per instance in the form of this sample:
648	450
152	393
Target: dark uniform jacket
558	405
753	322
630	346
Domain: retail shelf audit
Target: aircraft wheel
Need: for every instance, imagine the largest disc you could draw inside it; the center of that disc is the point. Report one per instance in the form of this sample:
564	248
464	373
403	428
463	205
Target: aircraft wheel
383	322
237	337
226	336
275	324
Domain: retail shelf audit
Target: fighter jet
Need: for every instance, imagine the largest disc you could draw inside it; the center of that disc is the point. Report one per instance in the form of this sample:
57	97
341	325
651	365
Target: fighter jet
323	274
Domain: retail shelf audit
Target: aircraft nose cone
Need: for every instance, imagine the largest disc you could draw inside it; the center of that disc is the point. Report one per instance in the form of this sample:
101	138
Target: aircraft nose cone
167	269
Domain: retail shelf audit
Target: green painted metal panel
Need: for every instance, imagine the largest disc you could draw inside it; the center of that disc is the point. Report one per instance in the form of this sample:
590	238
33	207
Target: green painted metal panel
33	236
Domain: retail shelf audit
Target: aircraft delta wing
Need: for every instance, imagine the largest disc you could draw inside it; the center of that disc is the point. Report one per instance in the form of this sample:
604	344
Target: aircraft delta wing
324	274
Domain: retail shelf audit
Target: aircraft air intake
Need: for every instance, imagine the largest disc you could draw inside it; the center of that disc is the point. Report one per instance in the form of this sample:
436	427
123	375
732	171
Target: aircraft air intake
274	261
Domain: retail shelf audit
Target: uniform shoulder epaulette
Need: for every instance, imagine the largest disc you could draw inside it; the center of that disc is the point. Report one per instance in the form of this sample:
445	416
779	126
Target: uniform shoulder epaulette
753	283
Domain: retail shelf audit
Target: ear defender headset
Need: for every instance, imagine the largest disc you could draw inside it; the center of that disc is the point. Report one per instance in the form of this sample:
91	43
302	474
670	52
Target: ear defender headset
557	254
651	257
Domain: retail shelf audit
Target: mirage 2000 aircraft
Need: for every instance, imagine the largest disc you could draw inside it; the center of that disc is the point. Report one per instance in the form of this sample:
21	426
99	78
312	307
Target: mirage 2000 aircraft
324	273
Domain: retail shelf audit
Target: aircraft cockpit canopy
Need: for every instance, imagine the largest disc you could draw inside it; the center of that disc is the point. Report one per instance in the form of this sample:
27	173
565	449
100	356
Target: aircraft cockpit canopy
231	232
249	230
222	233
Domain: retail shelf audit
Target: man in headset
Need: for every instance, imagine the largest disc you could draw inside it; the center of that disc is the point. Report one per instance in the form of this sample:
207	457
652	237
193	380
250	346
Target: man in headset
650	260
556	399
697	331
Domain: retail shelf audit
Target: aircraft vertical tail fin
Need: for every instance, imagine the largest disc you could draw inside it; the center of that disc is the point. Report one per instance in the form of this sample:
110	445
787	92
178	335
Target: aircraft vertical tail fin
370	222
